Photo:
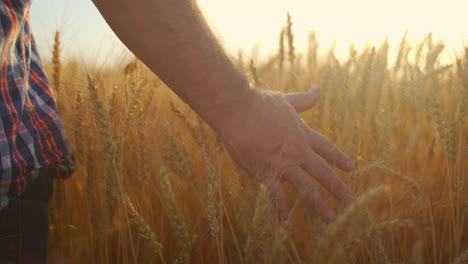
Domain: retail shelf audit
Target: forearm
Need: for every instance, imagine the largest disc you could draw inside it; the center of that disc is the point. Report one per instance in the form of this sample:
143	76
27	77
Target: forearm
174	41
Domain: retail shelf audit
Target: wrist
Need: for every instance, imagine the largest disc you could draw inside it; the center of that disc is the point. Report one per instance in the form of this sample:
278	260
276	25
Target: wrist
231	104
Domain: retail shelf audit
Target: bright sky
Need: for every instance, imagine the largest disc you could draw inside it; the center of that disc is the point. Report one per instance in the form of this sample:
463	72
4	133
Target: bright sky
256	23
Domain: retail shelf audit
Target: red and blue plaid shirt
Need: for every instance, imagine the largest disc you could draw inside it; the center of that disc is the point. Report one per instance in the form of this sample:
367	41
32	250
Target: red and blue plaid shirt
32	137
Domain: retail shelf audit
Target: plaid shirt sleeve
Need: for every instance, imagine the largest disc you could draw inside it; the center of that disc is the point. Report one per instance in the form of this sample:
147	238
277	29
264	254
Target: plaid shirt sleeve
32	137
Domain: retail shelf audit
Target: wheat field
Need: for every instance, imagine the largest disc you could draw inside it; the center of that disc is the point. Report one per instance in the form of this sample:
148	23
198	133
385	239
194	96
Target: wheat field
154	184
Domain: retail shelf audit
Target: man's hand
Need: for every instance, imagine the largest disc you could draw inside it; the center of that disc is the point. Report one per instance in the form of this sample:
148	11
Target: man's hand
270	142
261	131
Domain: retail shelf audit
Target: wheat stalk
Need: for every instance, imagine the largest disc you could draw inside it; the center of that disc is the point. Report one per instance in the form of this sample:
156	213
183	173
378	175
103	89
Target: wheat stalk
281	50
132	106
378	231
254	73
337	229
144	229
290	39
57	65
260	224
185	237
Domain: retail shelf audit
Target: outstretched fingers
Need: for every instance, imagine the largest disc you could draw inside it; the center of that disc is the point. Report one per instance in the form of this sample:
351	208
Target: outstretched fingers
304	185
329	151
321	171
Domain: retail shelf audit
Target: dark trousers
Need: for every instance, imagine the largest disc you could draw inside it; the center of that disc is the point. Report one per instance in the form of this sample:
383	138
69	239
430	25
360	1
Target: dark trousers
24	224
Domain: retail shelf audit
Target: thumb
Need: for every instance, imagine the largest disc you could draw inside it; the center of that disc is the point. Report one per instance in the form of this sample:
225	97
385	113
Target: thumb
304	100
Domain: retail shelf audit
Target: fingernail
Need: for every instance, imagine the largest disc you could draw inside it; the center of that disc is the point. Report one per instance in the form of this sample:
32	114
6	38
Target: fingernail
350	164
315	89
